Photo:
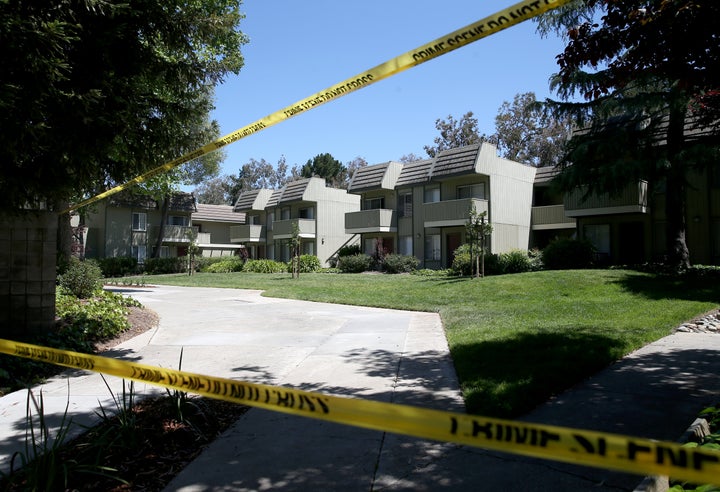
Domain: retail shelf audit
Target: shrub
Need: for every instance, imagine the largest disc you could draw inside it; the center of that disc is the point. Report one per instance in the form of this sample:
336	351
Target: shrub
400	263
117	266
227	265
515	261
461	264
349	250
308	264
159	266
82	278
96	318
566	254
264	266
355	263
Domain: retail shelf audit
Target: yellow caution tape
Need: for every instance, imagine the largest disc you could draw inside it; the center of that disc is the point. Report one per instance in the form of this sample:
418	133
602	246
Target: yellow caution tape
473	32
611	451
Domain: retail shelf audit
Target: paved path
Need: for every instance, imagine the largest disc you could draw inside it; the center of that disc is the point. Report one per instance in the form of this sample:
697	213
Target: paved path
392	356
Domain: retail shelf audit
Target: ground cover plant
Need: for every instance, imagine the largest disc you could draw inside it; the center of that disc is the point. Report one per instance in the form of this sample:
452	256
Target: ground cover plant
516	340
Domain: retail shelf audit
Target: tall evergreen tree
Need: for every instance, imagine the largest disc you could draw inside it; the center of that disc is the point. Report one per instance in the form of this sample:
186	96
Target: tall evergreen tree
646	73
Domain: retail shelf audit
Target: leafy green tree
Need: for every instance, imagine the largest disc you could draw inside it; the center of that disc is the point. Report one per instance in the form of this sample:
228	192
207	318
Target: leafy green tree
94	93
455	133
646	97
325	166
215	191
477	230
525	133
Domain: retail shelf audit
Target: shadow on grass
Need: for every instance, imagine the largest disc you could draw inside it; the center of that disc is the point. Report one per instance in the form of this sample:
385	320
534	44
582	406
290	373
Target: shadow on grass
509	377
669	287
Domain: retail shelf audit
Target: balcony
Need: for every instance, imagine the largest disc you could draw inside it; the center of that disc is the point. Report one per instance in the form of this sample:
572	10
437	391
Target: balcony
203	238
283	229
249	233
634	199
175	234
450	213
377	220
550	217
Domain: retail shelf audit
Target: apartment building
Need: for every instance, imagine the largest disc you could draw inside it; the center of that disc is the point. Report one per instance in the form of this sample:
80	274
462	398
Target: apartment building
309	206
212	224
127	224
427	213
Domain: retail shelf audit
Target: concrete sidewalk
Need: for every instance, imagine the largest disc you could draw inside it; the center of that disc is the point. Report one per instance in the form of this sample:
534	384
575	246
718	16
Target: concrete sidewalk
392	356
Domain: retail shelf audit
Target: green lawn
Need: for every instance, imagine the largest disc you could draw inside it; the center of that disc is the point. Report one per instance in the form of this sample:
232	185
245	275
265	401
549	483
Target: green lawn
517	339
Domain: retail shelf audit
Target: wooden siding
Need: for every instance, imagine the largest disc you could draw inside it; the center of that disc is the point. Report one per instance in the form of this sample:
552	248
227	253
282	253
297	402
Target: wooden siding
633	199
451	212
248	234
551	217
283	229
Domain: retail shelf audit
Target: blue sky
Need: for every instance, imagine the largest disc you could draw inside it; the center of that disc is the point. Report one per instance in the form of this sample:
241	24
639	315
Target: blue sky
299	48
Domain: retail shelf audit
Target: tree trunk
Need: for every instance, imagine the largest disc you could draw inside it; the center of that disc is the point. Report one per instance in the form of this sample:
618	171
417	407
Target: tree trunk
64	235
678	256
161	230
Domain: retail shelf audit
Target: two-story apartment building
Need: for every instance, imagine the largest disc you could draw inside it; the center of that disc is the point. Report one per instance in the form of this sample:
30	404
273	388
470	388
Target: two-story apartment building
548	220
213	224
308	205
127	224
427	213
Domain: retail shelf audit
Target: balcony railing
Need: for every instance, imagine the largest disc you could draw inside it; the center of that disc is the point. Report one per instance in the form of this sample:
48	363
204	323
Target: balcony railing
633	199
377	220
551	217
248	233
283	229
204	238
175	234
451	212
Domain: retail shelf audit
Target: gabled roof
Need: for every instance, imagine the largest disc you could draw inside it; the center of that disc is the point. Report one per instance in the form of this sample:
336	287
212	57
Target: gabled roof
253	199
294	191
378	176
545	174
274	198
217	213
461	160
414	173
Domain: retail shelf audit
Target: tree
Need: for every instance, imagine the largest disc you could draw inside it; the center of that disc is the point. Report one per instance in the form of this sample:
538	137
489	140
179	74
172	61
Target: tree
454	134
643	90
256	174
325	166
350	169
215	191
477	231
526	134
407	158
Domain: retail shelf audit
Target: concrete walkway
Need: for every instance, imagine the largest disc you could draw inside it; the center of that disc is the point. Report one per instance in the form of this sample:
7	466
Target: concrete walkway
392	356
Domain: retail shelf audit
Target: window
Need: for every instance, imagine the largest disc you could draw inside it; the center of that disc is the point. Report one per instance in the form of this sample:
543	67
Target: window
476	190
432	247
405	208
599	236
307	213
139	221
253	220
432	194
308	248
178	220
374	203
271	219
139	253
285	213
405	245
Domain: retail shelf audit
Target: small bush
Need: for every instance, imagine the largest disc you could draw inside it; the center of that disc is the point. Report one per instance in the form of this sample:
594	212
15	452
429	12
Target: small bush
160	266
567	254
349	250
264	266
82	278
117	266
308	264
461	264
515	261
355	263
400	263
99	317
228	265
